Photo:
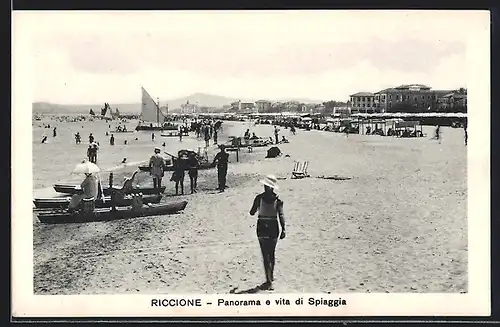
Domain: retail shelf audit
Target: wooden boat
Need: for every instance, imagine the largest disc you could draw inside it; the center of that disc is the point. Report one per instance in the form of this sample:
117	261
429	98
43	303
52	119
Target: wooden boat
150	116
73	189
118	132
62	203
108	214
155	128
174	134
203	166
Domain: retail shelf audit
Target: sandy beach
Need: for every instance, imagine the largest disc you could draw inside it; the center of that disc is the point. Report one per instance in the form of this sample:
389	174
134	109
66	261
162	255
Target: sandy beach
397	223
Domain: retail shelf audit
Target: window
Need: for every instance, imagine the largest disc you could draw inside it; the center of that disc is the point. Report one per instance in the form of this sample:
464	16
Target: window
364	99
390	97
363	105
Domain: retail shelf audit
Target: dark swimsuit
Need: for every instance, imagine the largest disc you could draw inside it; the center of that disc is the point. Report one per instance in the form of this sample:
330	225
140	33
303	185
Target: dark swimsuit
267	225
267	228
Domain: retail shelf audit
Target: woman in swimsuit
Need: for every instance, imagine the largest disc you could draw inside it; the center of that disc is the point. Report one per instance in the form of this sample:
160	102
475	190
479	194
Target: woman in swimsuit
270	209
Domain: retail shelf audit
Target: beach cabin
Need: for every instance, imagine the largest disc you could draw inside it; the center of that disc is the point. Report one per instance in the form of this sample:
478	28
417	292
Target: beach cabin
373	127
410	128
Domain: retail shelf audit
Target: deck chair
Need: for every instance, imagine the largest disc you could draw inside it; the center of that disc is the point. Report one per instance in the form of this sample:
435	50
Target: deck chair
300	169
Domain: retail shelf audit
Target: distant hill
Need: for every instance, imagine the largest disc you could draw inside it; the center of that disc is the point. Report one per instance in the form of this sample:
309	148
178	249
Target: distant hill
202	99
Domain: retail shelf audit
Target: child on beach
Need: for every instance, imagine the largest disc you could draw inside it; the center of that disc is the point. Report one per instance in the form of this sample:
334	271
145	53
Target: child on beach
270	209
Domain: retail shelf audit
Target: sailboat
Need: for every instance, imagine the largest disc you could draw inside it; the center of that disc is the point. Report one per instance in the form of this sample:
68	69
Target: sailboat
150	115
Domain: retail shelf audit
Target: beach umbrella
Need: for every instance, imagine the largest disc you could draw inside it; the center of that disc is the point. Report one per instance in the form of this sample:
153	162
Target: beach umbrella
86	167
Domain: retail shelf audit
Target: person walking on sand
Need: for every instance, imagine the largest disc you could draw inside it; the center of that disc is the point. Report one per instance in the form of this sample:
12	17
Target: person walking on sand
270	209
157	169
55	132
91	138
112	139
44	139
276	134
437	134
206	131
153	137
193	166
292	129
221	159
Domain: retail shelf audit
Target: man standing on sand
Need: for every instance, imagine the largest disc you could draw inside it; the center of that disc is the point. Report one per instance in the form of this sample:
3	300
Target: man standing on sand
215	135
157	168
221	159
276	134
270	209
206	131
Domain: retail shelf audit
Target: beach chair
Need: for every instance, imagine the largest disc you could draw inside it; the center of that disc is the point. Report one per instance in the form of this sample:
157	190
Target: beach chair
300	169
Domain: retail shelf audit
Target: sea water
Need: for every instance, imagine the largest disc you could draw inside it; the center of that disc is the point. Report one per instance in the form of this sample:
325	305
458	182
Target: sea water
54	160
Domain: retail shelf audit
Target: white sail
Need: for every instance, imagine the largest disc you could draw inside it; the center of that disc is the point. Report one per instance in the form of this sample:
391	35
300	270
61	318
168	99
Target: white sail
108	114
149	109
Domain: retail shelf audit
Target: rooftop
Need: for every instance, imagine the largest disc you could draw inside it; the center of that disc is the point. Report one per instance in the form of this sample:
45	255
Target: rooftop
362	94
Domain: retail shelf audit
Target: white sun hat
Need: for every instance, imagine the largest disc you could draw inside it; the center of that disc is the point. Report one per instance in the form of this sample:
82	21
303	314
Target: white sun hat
271	181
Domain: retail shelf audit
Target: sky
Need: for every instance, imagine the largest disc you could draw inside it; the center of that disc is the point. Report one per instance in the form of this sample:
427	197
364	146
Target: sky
94	57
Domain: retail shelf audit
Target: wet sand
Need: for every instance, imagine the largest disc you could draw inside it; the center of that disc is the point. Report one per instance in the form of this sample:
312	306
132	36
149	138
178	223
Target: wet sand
398	224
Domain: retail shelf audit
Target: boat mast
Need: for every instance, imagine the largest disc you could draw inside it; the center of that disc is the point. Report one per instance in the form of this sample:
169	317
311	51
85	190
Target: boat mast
158	111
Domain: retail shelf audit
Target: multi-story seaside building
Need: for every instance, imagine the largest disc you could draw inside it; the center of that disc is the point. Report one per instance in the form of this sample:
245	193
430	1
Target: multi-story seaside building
189	108
362	102
263	105
406	98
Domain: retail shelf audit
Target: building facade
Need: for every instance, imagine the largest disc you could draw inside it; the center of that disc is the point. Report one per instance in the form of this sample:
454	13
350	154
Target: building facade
408	98
454	101
263	105
362	102
189	108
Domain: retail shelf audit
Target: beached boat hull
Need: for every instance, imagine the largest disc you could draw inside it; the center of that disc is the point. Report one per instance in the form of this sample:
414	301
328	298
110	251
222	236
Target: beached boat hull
71	189
203	166
174	134
62	203
155	128
108	214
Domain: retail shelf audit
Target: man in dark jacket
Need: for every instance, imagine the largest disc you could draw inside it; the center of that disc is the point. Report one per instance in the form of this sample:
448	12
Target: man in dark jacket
221	159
